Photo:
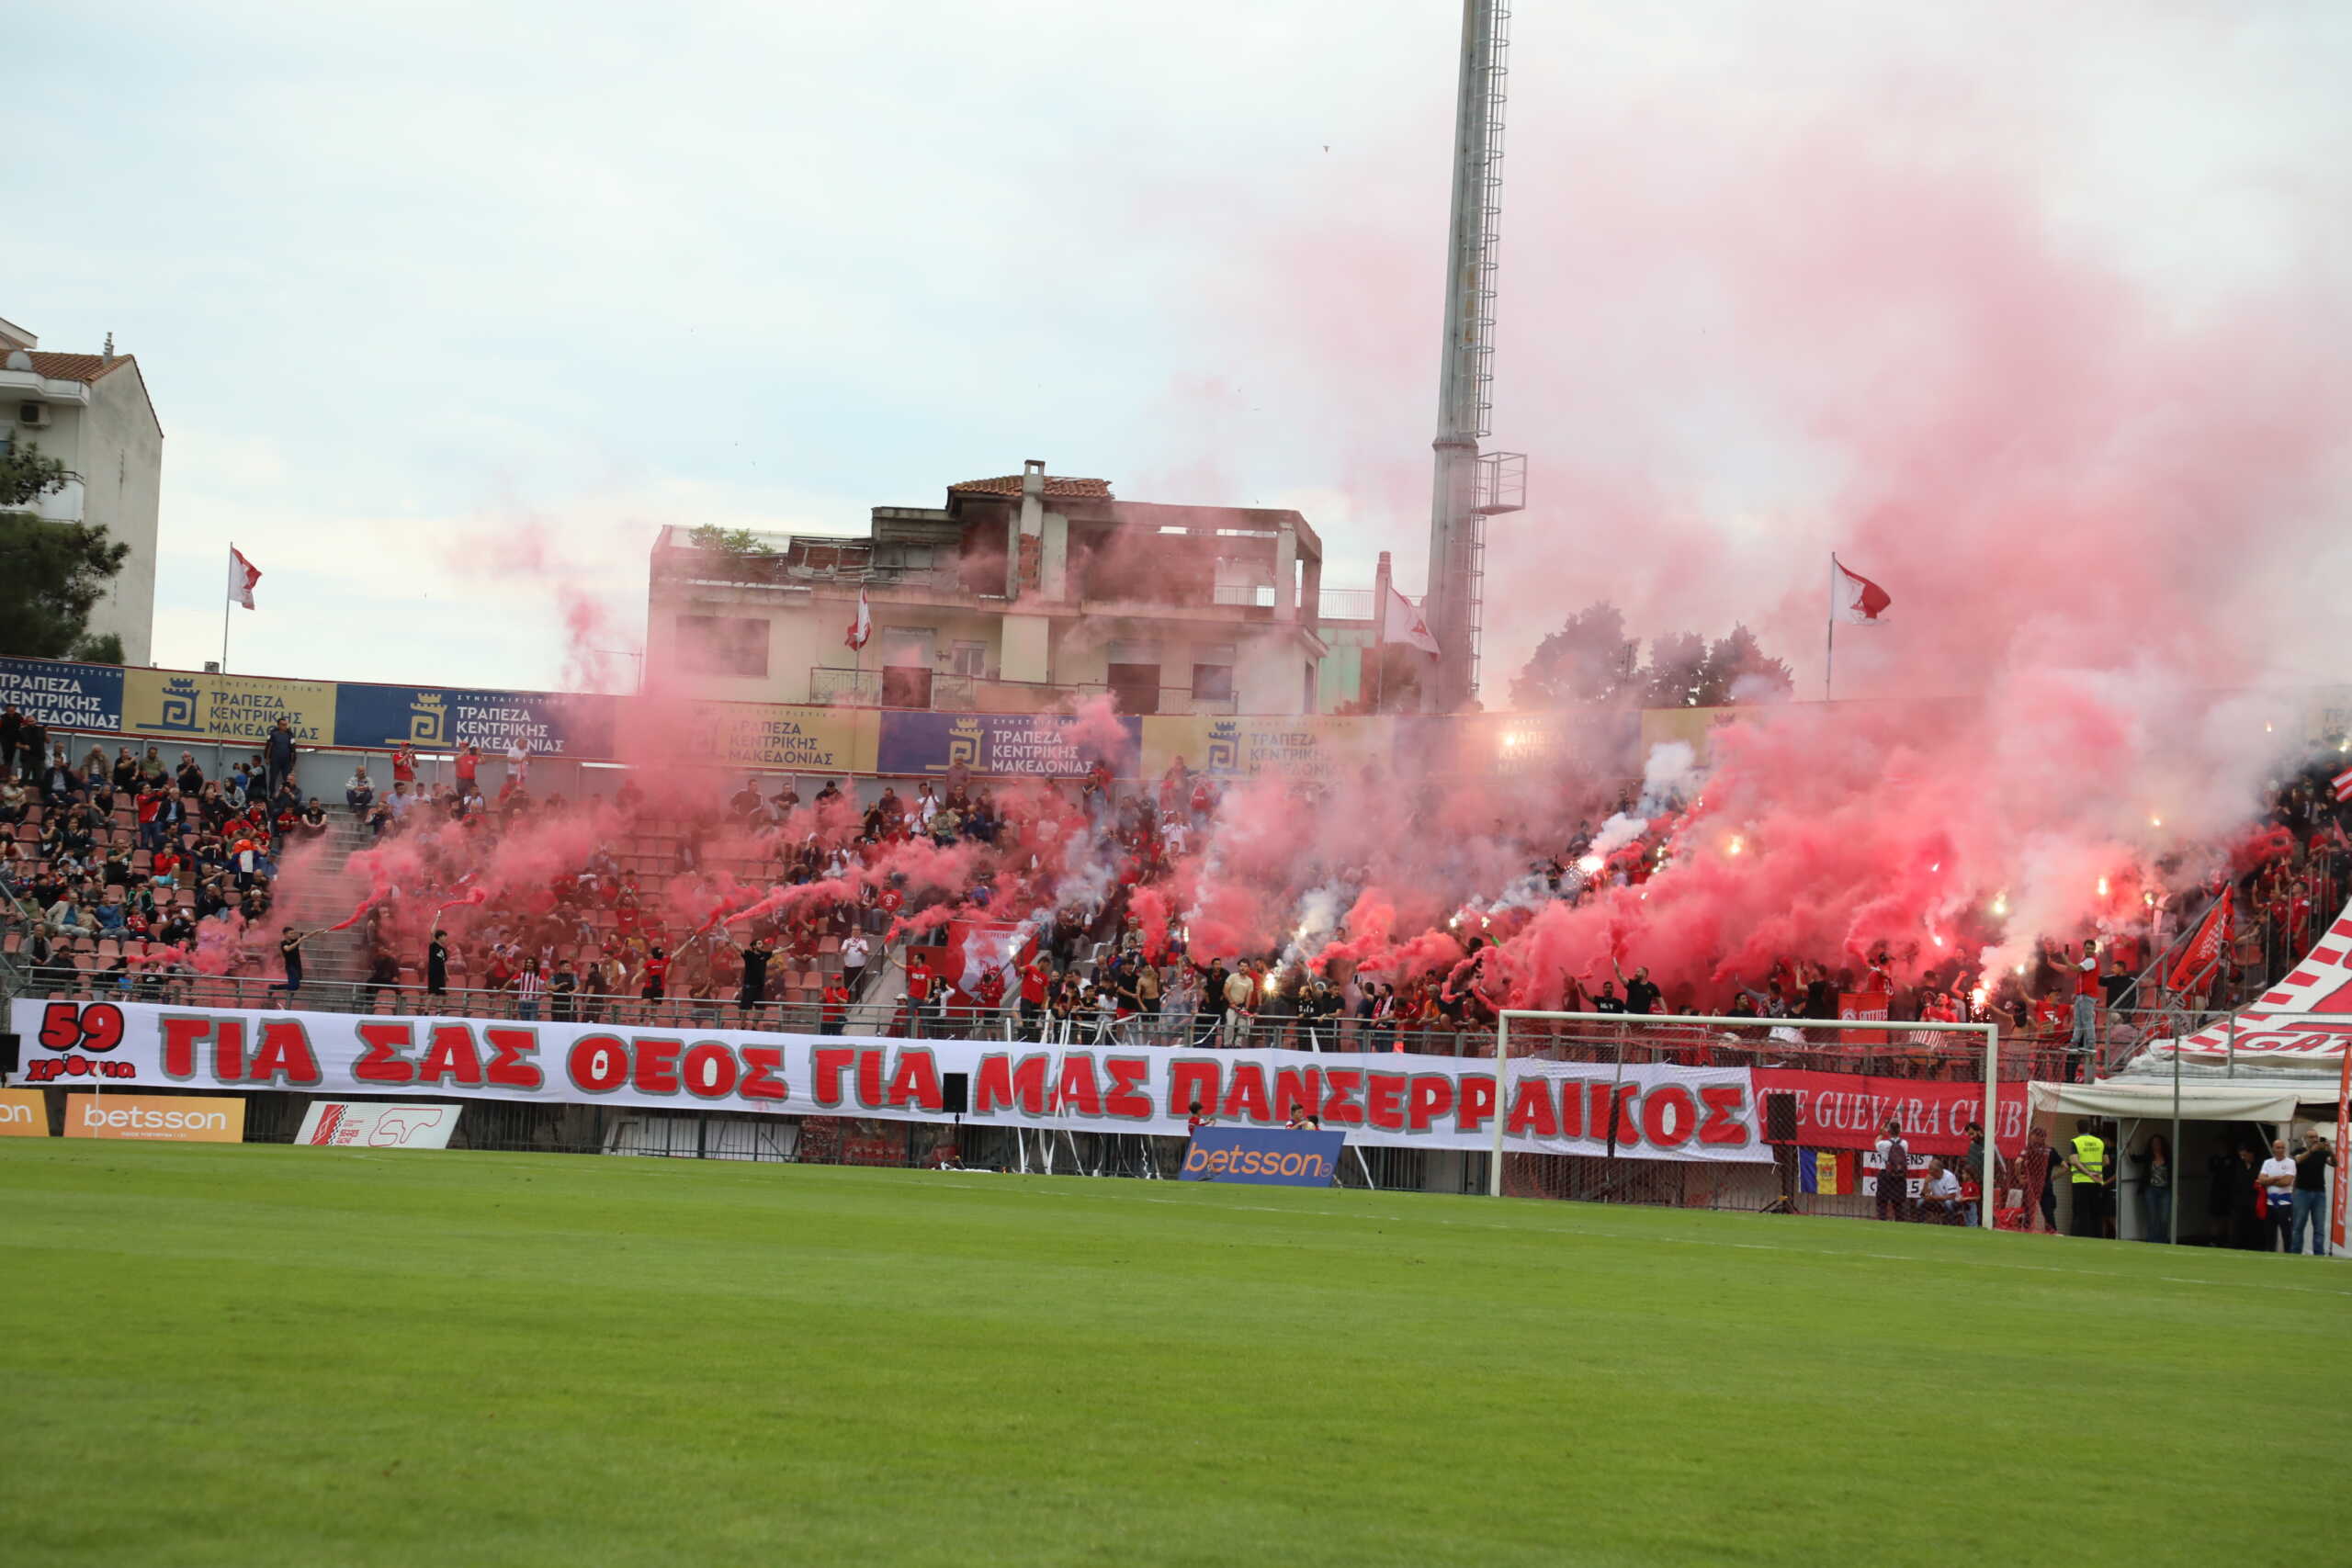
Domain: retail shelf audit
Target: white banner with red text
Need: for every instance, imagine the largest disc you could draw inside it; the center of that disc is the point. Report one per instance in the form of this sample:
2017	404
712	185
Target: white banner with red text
1663	1113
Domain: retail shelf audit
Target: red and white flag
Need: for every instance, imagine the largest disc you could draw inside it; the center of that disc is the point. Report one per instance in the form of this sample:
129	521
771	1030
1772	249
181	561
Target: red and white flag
1854	598
2204	949
2342	784
1401	622
861	629
242	575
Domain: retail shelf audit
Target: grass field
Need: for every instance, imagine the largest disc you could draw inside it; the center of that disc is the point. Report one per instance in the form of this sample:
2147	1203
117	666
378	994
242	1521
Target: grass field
263	1355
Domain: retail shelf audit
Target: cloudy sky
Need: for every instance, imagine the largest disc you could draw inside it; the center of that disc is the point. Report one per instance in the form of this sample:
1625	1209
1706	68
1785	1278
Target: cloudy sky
412	282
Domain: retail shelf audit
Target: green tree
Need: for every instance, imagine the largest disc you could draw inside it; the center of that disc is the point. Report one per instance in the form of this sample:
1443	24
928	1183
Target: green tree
1737	669
25	476
1678	669
1589	660
52	576
739	542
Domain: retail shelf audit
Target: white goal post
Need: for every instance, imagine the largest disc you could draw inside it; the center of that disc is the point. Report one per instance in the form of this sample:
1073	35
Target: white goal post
1754	1037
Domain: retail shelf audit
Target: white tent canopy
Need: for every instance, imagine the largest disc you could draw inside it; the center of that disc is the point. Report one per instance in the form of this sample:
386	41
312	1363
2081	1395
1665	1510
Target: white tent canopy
2202	1099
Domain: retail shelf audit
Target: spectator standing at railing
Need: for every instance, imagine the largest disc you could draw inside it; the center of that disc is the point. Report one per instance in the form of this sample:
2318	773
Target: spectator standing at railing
383	973
753	990
32	748
991	994
530	987
12	734
564	986
289	956
437	966
653	980
277	756
855	953
2084	1040
1240	1004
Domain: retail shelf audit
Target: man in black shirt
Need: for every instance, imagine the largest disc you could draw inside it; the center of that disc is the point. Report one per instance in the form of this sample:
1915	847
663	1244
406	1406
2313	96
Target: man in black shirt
561	988
289	953
1609	1001
755	976
1640	994
278	753
2311	1193
437	966
383	973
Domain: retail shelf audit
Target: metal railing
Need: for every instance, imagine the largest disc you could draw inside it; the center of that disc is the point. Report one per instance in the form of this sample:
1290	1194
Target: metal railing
854	688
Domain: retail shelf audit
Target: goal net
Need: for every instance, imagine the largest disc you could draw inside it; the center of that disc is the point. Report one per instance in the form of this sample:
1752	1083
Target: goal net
1766	1115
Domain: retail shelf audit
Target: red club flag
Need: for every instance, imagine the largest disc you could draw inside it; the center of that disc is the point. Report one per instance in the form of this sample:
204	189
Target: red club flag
242	575
861	629
2343	1120
2342	784
2204	949
1854	598
1402	623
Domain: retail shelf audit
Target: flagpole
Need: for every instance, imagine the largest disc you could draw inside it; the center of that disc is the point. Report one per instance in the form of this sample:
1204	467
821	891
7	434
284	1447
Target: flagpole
225	607
1829	660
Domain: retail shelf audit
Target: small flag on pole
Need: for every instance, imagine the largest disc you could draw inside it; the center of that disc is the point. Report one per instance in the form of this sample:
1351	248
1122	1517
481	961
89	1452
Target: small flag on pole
242	575
1855	599
861	629
2342	784
1403	622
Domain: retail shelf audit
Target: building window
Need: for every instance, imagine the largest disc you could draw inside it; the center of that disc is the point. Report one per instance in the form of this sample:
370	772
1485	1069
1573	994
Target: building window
723	644
1213	672
971	659
1135	687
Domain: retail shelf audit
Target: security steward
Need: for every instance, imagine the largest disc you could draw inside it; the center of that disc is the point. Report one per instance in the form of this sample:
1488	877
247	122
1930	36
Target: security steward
2087	1160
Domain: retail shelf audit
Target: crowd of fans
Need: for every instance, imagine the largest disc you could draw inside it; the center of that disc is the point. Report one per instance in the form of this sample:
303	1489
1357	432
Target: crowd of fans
137	873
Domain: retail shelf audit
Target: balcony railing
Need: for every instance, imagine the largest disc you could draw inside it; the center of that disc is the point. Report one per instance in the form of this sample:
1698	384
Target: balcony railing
62	504
980	693
846	688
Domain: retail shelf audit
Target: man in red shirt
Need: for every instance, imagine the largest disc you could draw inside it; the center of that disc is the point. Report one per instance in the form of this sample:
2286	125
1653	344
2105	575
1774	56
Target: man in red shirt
991	995
1035	978
469	763
2086	994
919	991
404	765
836	1006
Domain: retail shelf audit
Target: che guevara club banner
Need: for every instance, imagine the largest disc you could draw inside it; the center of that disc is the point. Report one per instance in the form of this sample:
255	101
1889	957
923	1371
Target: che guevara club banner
1662	1112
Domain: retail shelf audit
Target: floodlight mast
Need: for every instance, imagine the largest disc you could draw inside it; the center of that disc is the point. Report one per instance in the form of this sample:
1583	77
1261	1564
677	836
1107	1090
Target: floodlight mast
1469	488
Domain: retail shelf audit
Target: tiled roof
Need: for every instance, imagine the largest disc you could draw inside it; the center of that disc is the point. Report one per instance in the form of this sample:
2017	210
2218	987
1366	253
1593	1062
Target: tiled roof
1056	484
75	366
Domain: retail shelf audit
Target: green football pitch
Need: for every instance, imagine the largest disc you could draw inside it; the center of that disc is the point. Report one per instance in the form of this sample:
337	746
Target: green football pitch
262	1355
